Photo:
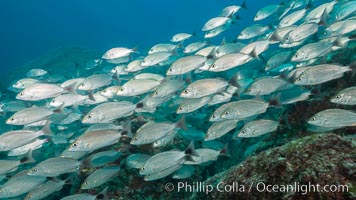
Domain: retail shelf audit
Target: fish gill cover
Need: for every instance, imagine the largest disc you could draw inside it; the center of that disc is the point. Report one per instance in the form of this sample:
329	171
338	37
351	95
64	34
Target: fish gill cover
255	101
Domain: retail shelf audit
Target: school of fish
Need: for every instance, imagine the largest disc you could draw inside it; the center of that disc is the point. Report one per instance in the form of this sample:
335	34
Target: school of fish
240	87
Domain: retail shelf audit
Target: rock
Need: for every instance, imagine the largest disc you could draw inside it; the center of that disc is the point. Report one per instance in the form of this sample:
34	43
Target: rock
324	159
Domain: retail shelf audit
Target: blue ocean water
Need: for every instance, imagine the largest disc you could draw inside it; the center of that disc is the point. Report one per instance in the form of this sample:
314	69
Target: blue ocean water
31	28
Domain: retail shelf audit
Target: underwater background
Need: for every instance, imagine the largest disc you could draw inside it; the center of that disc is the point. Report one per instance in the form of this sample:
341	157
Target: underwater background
66	37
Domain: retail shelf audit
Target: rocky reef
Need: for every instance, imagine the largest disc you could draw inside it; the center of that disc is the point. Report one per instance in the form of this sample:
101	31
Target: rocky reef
324	159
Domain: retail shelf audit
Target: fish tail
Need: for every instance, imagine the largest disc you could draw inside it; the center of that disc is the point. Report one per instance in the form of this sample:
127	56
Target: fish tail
103	194
182	124
190	151
243	5
46	130
28	158
275	101
225	151
126	132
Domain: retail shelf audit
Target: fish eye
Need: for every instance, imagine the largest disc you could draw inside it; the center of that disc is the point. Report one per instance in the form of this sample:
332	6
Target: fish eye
314	118
227	112
170	69
89	116
12	119
338	96
156	93
34	170
180	108
75	144
85	183
213	116
300	78
29	196
22	93
121	89
105	91
212	66
185	91
249	90
243	131
296	55
143	168
82	85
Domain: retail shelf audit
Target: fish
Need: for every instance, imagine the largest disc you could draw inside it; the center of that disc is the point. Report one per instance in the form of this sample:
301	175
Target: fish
91	141
311	51
266	11
204	87
33	73
8	166
14	139
152	131
179	37
206	156
168	88
162	161
252	31
21	150
346	96
137	87
257	128
216	22
24	83
320	74
254	49
191	105
136	160
216	116
301	32
164	47
99	177
266	85
102	158
228	48
195	46
330	118
107	112
20	184
40	91
186	64
229	11
216	31
95	81
87	196
53	167
29	115
277	59
134	66
292	18
166	139
244	108
219	129
46	189
155	58
67	100
117	52
110	92
184	172
161	174
229	61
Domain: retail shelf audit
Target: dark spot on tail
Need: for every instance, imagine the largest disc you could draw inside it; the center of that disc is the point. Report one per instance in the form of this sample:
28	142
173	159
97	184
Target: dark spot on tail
139	105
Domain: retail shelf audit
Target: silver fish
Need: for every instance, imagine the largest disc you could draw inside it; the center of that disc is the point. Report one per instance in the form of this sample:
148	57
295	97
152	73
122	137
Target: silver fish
266	11
292	18
252	31
117	52
179	37
108	112
104	157
110	92
66	100
85	196
138	87
185	172
346	96
186	64
216	116
193	47
228	48
161	174
53	167
255	48
311	51
99	177
320	74
216	22
163	48
91	141
301	32
266	85
20	184
168	87
24	83
152	131
45	190
191	105
293	95
155	58
33	73
148	76
165	140
167	159
40	91
137	160
95	81
21	150
257	128
204	87
244	108
219	129
229	11
277	59
29	115
206	156
135	66
229	61
333	118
